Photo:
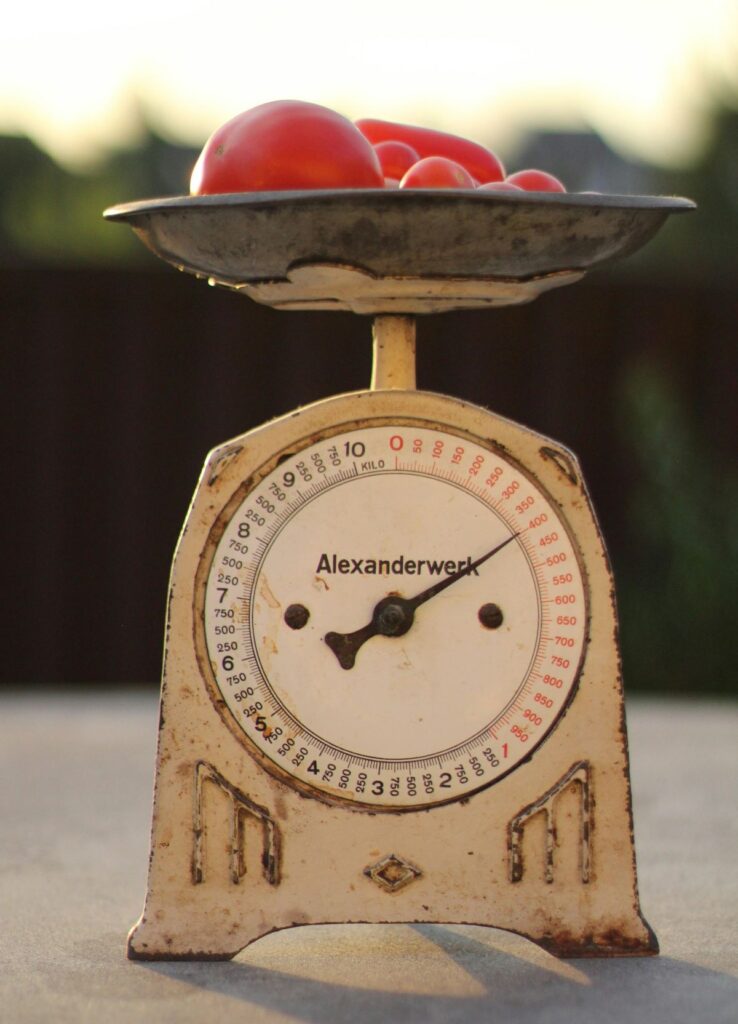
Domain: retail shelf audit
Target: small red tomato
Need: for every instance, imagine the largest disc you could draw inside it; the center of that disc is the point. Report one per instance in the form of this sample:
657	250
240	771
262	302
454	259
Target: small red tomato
437	172
499	186
395	158
286	144
479	162
535	181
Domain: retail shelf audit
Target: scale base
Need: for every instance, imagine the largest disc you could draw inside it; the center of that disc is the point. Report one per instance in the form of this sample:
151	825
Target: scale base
146	943
546	851
565	950
223	917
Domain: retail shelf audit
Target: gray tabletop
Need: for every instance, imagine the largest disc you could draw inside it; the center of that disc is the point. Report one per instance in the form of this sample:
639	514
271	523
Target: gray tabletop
75	794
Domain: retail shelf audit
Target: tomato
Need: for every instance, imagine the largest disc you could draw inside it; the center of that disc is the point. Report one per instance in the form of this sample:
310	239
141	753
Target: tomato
437	172
395	157
535	181
499	186
479	162
286	144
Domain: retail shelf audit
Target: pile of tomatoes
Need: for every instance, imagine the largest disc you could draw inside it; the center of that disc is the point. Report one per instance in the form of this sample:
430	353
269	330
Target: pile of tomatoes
289	144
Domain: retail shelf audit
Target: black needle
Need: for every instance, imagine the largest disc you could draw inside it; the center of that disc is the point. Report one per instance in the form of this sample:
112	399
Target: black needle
394	615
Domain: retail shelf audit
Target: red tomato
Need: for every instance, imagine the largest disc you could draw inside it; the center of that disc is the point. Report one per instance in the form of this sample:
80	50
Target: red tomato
478	161
437	172
500	186
535	181
286	144
396	157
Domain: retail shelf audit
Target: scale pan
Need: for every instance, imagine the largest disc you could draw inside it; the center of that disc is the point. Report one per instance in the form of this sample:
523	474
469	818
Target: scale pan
415	250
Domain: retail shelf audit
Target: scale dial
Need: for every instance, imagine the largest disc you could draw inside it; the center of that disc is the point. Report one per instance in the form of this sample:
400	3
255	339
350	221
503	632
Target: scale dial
392	615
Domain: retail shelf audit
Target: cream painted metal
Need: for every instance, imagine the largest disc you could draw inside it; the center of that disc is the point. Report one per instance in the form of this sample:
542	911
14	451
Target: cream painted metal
240	850
320	286
393	349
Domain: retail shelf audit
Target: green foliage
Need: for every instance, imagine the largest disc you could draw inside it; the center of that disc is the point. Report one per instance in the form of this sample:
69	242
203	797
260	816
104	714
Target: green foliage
677	587
49	216
702	246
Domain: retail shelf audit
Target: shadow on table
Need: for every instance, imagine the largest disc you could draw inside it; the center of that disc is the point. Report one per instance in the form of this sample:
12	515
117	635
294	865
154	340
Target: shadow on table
450	974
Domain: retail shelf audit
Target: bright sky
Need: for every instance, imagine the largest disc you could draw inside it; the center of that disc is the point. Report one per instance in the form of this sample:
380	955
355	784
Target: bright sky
74	74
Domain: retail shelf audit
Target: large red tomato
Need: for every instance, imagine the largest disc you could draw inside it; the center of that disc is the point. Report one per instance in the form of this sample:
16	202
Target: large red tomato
286	144
482	164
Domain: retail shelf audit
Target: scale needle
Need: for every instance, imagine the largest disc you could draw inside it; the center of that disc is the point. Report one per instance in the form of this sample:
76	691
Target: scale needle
394	615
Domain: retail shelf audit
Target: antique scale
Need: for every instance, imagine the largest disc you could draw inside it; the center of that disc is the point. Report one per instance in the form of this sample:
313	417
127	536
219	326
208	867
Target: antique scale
391	687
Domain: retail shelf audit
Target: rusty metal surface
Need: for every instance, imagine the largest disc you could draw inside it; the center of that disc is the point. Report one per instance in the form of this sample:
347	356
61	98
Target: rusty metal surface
241	239
546	852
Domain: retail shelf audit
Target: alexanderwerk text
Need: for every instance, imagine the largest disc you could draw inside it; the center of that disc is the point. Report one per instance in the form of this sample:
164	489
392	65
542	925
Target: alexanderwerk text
401	566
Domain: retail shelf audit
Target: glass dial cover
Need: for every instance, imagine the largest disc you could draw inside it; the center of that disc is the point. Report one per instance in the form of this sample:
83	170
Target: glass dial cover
394	615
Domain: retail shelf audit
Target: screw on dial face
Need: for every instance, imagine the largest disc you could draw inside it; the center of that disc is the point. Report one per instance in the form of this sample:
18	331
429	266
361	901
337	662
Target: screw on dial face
296	616
469	664
490	615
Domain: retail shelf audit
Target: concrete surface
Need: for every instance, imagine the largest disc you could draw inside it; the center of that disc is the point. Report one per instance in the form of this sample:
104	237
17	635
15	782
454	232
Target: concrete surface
75	795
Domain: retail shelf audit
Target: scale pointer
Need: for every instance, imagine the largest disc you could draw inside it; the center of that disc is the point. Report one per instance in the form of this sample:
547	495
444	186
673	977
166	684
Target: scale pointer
394	615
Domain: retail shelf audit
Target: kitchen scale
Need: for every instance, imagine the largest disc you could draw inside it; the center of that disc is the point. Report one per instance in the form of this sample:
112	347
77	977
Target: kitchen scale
391	687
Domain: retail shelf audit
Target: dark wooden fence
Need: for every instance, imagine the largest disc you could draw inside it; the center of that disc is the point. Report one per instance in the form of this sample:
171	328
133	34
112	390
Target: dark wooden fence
116	384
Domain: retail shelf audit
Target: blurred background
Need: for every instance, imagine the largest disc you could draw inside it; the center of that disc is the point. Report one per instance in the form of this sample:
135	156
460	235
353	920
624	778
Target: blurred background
120	374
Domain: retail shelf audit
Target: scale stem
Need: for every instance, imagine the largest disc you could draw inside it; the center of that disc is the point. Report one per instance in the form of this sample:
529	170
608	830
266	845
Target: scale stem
394	353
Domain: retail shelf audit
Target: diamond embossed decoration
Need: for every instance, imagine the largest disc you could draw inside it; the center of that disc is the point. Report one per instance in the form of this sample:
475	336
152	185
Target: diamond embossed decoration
392	873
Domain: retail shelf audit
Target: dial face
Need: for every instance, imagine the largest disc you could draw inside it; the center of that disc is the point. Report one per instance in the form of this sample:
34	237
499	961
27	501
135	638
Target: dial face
394	616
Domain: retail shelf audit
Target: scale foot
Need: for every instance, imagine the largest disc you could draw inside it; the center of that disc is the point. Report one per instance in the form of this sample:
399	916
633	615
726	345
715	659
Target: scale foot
193	954
611	943
146	942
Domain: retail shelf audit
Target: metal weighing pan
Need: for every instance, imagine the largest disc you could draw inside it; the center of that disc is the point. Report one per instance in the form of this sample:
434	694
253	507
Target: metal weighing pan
395	250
